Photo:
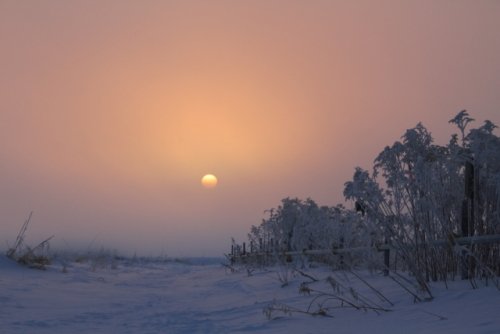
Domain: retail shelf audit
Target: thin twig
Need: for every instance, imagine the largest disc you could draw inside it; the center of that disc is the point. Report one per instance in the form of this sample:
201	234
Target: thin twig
372	288
417	298
306	275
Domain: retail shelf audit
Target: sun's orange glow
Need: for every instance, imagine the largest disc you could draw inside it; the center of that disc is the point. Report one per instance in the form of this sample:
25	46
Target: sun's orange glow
111	114
209	181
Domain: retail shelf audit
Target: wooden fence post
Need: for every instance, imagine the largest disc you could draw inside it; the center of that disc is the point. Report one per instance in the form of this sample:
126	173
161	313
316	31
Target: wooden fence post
387	258
341	246
468	216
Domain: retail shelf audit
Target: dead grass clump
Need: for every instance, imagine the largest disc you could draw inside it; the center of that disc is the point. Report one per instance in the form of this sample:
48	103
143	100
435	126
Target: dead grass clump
34	257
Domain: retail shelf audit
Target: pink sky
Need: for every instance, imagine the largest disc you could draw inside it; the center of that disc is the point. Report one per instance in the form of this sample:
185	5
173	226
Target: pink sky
112	111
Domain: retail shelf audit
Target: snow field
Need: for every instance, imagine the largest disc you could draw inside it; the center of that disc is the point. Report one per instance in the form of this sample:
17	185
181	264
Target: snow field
193	297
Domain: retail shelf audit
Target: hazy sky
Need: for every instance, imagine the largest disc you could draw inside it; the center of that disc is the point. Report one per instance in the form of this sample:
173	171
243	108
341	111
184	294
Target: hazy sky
112	111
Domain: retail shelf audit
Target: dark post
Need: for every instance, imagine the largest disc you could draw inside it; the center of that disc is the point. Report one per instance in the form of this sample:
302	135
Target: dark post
341	245
387	258
468	217
244	249
468	210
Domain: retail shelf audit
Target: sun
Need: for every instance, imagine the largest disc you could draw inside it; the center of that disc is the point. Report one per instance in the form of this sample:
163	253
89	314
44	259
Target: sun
209	181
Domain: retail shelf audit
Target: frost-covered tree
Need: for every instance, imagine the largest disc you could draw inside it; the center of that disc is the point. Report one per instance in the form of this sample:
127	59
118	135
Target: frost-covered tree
420	192
480	206
299	225
418	195
294	225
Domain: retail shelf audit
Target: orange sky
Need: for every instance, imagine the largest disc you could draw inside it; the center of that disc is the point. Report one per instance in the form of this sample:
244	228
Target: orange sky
112	111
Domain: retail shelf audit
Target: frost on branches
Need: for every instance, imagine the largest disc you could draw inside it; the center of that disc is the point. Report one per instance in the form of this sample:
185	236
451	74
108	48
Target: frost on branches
418	195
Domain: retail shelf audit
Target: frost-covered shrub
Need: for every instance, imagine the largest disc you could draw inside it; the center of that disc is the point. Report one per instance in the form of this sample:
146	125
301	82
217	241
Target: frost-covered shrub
298	225
420	193
419	196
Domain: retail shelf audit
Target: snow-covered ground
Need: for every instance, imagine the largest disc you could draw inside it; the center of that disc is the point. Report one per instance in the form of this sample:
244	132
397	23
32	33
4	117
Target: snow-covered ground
199	297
